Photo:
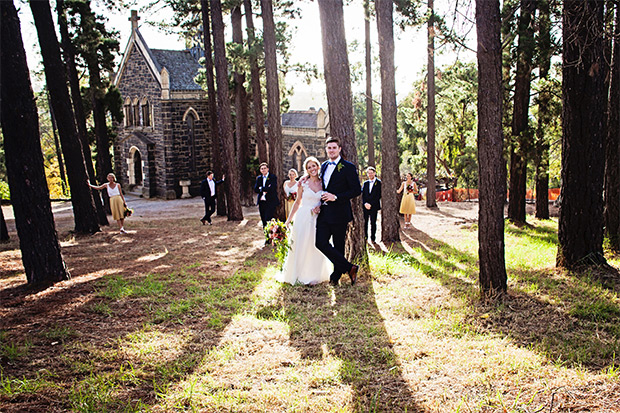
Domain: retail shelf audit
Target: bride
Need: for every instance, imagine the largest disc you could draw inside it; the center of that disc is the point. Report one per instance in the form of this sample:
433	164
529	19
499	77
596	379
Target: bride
304	263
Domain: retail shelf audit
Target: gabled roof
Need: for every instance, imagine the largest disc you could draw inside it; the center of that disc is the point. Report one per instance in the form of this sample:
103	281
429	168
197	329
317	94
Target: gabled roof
181	65
300	119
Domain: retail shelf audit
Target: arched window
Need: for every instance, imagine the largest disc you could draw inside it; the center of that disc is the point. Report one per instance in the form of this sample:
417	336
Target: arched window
191	138
298	154
127	112
146	112
136	112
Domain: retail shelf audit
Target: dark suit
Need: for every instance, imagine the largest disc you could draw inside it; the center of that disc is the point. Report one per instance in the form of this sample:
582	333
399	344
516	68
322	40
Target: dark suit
209	198
335	216
267	207
372	197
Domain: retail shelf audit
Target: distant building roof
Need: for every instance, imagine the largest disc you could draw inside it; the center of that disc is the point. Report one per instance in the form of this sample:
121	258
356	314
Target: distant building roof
300	119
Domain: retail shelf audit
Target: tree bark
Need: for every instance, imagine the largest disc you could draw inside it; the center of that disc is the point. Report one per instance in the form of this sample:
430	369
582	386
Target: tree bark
390	225
369	109
340	103
542	141
4	231
84	212
78	106
225	122
273	102
431	202
38	240
216	142
241	118
612	151
491	164
580	231
257	98
520	131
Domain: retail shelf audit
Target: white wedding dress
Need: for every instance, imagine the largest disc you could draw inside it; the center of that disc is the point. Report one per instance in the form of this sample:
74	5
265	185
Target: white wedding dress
304	263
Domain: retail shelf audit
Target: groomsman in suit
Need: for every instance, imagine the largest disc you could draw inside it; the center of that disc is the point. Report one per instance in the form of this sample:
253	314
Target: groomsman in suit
208	188
266	187
371	198
340	184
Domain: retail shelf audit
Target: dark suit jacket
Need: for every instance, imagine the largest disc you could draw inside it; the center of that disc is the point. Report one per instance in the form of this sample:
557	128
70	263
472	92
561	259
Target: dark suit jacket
271	187
345	184
205	189
372	197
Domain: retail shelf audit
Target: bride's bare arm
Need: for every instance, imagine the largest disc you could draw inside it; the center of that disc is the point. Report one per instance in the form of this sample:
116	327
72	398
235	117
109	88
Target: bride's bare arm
300	192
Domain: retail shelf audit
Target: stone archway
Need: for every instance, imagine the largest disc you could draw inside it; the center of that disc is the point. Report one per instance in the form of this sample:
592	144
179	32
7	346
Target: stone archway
298	154
135	168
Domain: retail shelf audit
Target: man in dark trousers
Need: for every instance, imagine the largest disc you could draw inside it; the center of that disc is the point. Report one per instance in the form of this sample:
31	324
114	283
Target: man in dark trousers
371	198
208	188
266	187
340	184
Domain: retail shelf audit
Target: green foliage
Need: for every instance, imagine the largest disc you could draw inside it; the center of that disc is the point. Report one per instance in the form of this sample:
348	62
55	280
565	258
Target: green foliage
4	190
456	123
359	119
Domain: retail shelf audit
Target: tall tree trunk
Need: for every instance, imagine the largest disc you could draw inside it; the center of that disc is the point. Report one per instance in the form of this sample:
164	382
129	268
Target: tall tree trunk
390	225
4	231
340	103
369	109
216	140
78	106
225	122
612	161
491	164
273	101
430	117
257	99
38	240
84	213
544	116
61	163
580	231
520	132
241	118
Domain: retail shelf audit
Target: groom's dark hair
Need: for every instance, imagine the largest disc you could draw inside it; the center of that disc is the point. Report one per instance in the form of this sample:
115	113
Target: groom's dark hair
331	139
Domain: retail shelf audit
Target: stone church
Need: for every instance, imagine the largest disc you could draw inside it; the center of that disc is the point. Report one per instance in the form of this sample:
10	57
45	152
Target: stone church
163	148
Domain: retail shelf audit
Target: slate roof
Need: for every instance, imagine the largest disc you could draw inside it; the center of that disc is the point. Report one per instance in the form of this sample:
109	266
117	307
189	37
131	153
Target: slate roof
181	65
300	119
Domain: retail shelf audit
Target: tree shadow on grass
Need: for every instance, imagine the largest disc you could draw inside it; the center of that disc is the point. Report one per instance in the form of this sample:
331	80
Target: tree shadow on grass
345	323
121	341
569	318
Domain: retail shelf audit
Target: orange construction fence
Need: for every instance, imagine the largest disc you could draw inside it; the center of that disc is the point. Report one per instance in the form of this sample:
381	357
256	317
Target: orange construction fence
463	194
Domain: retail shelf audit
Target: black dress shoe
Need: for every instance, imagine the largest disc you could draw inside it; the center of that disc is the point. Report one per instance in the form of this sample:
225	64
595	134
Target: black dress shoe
203	221
333	282
353	273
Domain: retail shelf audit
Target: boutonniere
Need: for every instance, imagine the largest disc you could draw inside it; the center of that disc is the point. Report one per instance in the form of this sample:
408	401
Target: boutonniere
339	167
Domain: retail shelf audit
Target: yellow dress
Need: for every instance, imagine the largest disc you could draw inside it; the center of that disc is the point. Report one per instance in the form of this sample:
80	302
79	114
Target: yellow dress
407	203
288	205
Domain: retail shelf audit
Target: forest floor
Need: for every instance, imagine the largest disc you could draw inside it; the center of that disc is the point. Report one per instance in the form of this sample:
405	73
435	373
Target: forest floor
177	316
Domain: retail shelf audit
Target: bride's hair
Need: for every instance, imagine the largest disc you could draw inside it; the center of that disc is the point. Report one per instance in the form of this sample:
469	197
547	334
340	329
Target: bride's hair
307	161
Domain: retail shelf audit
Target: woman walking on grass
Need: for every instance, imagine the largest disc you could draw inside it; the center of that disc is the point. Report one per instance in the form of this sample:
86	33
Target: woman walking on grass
117	200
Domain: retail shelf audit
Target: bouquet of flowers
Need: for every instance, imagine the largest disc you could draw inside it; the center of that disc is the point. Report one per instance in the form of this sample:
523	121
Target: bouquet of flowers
410	189
128	212
277	233
292	196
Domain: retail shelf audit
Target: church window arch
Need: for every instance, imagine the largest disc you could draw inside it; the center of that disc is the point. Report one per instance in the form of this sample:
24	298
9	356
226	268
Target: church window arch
190	118
145	112
127	112
298	154
135	105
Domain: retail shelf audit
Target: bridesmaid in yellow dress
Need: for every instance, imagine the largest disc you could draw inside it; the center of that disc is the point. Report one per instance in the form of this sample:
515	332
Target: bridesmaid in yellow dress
407	204
290	190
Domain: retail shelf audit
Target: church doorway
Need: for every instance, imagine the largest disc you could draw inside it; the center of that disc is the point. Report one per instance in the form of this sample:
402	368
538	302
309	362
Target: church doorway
135	168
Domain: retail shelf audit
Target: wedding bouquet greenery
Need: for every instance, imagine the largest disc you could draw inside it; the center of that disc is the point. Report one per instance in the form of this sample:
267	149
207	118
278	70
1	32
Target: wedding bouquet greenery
277	233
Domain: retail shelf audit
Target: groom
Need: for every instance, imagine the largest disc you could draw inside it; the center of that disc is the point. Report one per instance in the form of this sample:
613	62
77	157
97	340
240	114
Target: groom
340	184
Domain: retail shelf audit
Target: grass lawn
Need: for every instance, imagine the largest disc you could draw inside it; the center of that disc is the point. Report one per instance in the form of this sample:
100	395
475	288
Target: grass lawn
180	317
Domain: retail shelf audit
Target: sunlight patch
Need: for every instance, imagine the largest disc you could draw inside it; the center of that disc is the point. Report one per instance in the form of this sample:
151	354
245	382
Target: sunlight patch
153	257
154	344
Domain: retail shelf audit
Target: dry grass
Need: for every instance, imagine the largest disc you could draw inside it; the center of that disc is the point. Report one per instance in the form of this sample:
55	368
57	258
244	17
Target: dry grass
192	320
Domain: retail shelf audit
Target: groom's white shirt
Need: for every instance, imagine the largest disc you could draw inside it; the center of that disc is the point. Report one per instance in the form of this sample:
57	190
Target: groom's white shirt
329	171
